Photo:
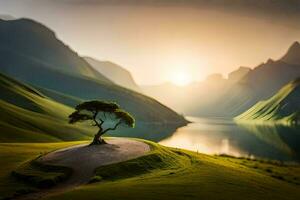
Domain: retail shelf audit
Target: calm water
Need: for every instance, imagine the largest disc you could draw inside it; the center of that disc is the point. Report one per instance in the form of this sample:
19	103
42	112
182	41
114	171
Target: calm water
219	136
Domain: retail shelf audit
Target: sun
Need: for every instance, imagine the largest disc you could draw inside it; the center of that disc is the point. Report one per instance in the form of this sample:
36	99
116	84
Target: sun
180	78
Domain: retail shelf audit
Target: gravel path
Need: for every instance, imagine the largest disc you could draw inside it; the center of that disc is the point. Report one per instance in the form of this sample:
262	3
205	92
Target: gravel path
84	159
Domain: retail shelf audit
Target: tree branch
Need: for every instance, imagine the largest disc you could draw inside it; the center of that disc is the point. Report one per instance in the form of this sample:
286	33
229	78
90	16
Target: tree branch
111	129
96	122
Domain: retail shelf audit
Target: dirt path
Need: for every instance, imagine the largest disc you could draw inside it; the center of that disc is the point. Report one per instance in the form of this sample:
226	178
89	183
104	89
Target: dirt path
84	159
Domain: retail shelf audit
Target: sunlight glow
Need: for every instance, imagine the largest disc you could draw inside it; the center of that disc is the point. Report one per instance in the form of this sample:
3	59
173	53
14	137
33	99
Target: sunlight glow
180	78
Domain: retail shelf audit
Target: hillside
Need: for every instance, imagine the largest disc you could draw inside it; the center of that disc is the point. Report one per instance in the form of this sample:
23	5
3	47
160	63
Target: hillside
29	116
114	72
163	173
42	46
43	61
284	106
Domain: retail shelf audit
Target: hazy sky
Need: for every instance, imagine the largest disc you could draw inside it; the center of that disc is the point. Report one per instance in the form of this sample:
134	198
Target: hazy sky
156	40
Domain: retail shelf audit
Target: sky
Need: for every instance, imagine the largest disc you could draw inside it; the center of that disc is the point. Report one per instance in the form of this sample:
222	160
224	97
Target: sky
163	40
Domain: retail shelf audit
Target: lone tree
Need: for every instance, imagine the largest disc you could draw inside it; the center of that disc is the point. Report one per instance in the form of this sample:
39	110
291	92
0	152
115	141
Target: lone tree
98	112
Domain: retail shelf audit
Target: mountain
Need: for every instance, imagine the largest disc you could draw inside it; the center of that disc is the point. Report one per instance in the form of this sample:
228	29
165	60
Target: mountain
284	106
33	55
114	72
238	74
220	97
258	84
28	39
197	96
26	115
293	54
6	17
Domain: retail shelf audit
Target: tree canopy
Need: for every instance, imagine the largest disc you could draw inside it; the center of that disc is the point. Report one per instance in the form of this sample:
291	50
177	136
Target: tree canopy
98	112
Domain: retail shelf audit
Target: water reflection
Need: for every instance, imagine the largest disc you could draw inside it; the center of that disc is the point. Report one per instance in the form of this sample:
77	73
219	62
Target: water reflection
219	136
148	131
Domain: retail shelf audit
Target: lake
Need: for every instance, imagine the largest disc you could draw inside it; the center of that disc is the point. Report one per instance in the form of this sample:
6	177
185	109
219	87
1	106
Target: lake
222	136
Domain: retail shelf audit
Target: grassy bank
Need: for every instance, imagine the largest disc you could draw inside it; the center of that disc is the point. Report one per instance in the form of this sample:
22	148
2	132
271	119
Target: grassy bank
168	173
14	155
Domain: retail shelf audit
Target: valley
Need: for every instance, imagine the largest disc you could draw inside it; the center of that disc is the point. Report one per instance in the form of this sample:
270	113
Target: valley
74	124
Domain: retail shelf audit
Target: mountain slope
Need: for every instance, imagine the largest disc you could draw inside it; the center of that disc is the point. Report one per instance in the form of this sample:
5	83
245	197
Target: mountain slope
292	56
260	83
284	106
31	68
26	115
114	72
6	17
35	41
238	74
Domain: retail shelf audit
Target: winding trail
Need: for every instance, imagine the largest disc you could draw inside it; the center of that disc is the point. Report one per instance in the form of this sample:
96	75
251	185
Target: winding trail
84	159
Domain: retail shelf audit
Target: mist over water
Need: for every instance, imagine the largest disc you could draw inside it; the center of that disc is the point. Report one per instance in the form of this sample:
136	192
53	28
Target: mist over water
222	136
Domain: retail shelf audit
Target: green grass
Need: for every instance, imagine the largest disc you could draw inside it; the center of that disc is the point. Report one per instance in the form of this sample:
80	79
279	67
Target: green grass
41	175
28	116
159	158
20	125
283	107
15	155
167	173
163	173
286	172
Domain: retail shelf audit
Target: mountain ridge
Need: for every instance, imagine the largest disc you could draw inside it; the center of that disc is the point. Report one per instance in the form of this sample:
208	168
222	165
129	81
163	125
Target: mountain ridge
114	72
260	83
292	56
284	106
42	44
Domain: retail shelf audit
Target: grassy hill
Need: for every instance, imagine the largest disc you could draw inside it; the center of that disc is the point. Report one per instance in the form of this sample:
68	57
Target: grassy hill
26	115
284	106
163	173
35	114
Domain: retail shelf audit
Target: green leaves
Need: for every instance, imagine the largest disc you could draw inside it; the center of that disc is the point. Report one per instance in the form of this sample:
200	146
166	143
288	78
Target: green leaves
89	110
77	116
98	106
124	117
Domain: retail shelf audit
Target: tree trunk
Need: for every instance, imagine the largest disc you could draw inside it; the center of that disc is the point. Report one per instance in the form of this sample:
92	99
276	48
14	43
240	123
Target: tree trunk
97	139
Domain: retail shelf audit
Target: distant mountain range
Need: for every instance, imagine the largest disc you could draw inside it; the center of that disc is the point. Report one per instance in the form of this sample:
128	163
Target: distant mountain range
195	97
114	72
31	54
260	83
283	107
221	97
238	74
